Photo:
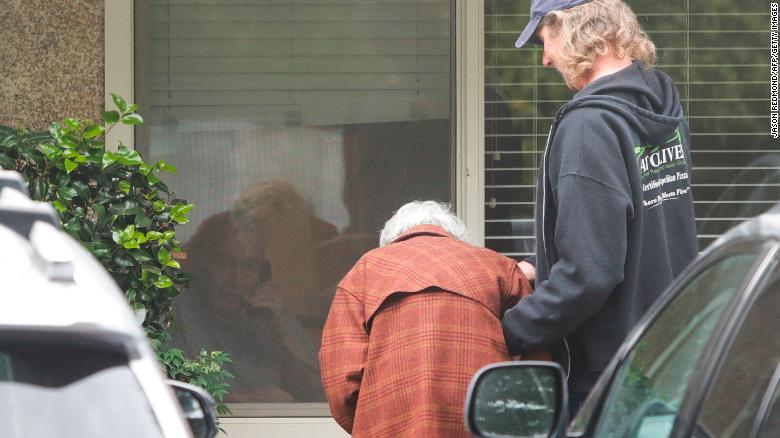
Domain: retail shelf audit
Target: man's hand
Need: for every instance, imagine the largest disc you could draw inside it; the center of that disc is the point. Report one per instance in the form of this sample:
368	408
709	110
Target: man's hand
528	269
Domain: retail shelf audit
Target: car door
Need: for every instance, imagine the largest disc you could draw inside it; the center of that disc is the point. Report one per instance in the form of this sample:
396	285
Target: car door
645	393
736	398
768	419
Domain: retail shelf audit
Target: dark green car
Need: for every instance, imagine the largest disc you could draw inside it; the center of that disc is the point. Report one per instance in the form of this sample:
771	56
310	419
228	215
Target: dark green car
703	362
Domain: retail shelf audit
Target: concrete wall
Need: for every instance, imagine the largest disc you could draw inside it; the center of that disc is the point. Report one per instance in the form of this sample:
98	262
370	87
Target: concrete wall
51	61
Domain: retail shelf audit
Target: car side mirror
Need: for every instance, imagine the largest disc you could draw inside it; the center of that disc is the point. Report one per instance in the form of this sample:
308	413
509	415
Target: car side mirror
517	400
198	408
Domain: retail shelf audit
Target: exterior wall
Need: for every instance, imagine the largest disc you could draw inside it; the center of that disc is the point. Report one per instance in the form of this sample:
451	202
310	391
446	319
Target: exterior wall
51	61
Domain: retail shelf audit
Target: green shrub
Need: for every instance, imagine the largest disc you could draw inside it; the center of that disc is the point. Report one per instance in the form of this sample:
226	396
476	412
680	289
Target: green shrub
116	205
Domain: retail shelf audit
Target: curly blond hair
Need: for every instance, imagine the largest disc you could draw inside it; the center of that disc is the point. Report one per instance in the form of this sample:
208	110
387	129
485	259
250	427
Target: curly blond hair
591	30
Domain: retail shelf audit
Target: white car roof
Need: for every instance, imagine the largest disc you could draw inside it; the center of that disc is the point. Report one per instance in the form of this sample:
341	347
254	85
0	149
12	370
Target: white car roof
49	280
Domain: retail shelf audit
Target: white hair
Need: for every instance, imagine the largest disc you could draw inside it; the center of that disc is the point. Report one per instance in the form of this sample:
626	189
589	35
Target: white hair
420	213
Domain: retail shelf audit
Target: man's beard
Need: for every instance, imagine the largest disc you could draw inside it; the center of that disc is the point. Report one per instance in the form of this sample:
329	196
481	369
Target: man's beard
570	84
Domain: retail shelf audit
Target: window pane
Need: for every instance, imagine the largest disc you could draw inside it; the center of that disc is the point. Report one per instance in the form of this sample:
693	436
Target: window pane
48	388
733	401
297	129
717	51
649	387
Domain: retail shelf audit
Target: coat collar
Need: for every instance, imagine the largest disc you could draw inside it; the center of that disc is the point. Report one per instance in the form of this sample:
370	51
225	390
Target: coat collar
422	230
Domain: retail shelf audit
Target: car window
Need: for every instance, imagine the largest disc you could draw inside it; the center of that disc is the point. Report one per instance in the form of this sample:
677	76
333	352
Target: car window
649	386
733	400
48	391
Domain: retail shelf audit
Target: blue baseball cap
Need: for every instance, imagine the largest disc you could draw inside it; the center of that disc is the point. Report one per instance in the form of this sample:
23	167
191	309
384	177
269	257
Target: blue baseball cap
540	8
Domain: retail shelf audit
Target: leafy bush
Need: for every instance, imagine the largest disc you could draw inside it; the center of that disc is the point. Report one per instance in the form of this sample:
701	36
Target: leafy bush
116	205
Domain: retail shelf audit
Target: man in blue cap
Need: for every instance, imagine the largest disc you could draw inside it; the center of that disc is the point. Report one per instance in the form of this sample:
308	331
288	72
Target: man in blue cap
614	211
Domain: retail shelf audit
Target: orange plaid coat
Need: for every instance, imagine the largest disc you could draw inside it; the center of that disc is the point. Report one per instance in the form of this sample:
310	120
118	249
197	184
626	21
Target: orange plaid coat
409	326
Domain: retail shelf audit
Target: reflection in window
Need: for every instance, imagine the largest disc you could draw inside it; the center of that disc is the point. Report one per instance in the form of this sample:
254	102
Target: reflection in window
297	131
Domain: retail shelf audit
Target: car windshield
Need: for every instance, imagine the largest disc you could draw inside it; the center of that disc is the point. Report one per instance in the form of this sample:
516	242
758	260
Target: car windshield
50	389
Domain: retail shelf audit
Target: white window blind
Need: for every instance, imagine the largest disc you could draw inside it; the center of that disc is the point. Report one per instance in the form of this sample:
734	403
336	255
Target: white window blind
288	75
718	54
296	61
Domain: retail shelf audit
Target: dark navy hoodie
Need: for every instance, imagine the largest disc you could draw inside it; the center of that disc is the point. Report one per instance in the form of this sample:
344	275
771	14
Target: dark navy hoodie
614	219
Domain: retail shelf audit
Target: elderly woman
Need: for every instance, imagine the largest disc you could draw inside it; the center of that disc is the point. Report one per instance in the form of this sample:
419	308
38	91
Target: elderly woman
411	323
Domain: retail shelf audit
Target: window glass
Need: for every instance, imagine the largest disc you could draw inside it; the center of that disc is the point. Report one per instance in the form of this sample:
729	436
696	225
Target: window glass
648	388
717	53
50	390
297	130
733	401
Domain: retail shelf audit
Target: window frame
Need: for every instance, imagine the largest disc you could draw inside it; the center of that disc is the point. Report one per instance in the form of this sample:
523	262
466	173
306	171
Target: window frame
119	64
467	115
